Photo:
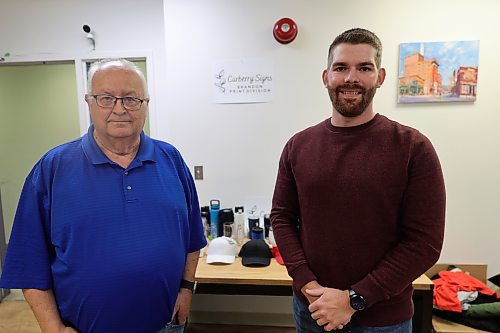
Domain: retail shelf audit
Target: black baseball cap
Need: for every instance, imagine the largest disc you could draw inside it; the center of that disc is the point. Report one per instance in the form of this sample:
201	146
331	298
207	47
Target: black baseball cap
255	253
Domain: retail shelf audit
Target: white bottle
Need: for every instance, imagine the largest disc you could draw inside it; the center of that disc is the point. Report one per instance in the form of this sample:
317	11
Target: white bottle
239	227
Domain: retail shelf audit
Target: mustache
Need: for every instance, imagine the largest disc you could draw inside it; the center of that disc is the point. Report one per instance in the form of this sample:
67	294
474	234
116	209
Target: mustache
349	87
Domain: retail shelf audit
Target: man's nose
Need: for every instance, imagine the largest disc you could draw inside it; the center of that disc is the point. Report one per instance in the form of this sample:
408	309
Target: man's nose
118	107
351	76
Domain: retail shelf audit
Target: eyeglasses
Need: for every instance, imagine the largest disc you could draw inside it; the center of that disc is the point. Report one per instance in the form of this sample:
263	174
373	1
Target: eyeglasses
128	102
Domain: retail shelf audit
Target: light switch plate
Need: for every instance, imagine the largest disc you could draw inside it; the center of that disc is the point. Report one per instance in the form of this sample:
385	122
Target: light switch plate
198	172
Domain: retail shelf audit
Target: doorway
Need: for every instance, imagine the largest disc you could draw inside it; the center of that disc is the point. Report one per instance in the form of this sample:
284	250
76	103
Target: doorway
38	111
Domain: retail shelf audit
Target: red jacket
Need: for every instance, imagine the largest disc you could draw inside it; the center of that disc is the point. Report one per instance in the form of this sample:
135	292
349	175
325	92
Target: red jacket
450	283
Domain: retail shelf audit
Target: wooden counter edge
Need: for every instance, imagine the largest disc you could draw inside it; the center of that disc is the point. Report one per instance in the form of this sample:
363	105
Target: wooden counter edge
274	275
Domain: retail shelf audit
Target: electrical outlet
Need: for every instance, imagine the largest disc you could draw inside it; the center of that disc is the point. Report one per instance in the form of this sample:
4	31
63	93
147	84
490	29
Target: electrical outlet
198	172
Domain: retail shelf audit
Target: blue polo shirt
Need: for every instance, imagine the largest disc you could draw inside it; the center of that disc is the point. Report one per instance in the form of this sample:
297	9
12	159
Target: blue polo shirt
110	242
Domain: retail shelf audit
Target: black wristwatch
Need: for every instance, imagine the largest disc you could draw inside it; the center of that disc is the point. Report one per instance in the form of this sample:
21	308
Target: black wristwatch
357	301
185	284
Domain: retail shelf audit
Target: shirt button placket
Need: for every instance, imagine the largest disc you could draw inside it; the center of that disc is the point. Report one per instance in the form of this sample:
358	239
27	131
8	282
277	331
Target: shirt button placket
127	187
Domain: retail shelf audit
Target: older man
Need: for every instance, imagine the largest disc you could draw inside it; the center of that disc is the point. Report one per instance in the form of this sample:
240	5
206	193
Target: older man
107	232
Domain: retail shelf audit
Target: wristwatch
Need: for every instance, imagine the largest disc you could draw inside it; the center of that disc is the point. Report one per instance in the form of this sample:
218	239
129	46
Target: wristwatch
189	285
357	301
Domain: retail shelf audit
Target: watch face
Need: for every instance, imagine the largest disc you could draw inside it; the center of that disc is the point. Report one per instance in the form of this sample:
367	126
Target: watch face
357	301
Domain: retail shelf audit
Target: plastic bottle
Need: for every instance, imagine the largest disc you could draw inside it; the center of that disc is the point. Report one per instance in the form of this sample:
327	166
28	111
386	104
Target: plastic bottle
214	218
267	225
253	221
239	225
205	220
226	216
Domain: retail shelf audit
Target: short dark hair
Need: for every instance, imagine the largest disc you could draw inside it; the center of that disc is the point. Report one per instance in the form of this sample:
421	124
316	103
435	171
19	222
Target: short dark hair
357	36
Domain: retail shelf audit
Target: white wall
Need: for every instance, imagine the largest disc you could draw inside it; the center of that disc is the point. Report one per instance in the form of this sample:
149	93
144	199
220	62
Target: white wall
239	145
33	30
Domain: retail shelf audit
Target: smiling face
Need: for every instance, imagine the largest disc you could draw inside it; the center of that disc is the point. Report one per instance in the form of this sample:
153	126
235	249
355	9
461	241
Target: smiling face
352	80
117	122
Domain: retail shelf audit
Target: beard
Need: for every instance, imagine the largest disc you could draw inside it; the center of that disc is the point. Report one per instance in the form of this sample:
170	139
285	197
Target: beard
351	108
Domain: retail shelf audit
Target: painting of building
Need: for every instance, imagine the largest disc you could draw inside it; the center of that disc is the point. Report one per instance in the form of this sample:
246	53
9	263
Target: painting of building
465	82
438	72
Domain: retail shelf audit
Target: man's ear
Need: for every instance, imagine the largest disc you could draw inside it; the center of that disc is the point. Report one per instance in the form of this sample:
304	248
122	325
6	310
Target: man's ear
325	78
381	77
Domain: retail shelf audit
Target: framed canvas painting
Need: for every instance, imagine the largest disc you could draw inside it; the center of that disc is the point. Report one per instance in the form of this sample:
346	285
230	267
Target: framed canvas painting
438	72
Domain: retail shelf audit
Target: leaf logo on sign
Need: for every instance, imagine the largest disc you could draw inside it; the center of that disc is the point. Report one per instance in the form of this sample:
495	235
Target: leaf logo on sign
221	81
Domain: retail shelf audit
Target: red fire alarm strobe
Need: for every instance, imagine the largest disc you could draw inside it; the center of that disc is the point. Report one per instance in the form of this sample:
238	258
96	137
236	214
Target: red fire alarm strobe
285	30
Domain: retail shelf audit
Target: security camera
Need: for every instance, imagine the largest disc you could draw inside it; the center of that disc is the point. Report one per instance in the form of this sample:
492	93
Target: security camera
87	29
89	35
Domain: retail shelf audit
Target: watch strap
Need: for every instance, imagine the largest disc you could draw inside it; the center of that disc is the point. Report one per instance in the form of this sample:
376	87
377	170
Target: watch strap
357	301
189	285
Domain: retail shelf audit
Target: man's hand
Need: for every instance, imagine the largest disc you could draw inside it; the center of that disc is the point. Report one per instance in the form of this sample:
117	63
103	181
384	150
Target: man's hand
332	308
182	305
310	285
68	330
183	302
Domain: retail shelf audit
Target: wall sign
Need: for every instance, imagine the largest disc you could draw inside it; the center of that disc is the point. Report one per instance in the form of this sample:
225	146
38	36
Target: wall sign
243	81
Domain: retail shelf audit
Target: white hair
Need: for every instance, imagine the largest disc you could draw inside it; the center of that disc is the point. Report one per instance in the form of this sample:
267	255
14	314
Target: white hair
115	63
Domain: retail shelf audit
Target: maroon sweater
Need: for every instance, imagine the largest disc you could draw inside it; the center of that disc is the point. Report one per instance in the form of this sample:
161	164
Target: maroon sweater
360	207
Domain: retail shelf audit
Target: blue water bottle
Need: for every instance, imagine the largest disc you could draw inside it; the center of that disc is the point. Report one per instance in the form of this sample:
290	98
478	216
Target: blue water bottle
214	218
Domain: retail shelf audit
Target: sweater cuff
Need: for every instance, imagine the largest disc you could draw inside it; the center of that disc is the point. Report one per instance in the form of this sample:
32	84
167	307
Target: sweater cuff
371	290
302	275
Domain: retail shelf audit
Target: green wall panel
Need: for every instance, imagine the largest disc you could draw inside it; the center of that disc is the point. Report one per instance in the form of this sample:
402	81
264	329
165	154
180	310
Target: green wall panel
38	110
